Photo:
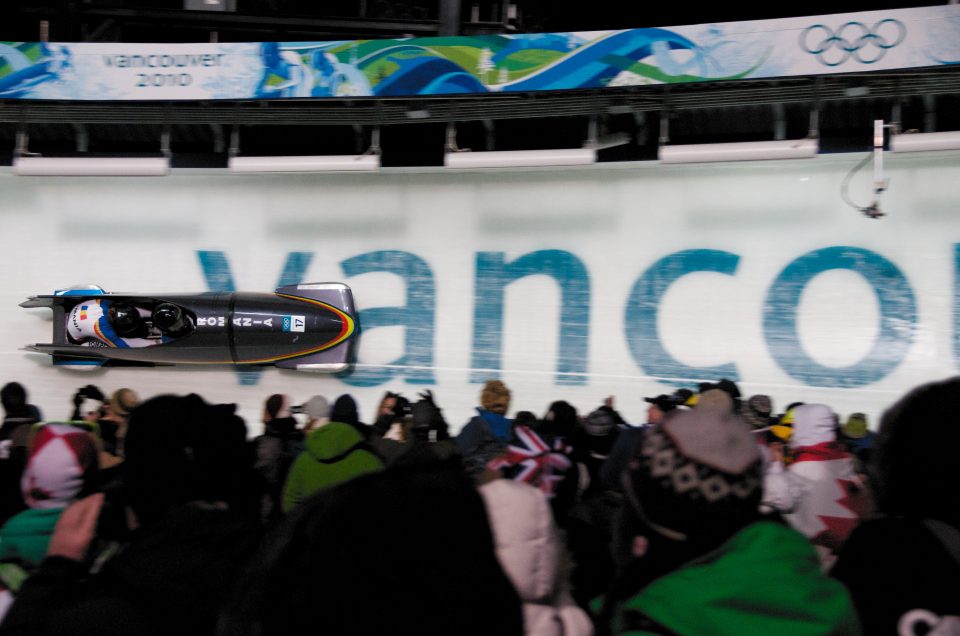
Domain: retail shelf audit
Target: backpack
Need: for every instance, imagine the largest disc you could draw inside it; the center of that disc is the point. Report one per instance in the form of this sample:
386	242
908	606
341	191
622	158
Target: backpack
486	451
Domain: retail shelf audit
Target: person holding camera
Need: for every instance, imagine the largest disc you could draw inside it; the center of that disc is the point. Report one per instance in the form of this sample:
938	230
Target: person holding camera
106	420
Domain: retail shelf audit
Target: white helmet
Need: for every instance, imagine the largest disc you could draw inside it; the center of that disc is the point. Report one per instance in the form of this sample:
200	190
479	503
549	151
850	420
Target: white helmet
82	320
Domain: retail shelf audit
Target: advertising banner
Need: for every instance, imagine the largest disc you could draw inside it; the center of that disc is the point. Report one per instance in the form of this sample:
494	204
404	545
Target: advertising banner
842	43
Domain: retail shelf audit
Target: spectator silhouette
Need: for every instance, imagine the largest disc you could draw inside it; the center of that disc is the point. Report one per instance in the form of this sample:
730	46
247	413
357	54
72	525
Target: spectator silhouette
276	450
18	418
406	551
489	432
906	562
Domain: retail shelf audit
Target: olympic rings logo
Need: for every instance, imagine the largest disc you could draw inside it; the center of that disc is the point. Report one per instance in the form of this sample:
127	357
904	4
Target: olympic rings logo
866	44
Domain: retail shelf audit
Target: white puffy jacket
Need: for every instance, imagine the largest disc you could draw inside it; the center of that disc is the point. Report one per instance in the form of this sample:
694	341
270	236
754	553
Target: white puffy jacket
532	556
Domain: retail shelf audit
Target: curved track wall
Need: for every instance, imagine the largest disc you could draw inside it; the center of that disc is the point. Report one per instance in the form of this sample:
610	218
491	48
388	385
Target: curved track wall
578	284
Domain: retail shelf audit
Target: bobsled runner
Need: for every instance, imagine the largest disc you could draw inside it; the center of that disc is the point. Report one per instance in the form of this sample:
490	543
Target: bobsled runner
309	327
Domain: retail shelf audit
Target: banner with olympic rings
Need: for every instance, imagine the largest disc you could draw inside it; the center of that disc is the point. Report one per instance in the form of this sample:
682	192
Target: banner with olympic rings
842	43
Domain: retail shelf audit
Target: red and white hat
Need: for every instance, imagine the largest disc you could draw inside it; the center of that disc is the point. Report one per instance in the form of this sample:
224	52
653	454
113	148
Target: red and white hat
62	460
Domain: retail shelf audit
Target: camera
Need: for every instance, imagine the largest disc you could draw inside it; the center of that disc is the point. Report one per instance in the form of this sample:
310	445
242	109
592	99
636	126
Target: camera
88	392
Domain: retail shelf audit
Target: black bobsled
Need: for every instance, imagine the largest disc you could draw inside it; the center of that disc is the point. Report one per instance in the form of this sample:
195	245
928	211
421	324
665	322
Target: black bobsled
310	327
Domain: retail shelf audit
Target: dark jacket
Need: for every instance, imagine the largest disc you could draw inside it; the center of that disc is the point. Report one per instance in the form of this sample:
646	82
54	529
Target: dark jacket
894	565
171	579
406	550
14	434
484	437
275	452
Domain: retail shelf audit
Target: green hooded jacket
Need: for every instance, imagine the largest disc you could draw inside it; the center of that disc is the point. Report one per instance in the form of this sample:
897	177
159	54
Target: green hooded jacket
335	453
765	580
26	535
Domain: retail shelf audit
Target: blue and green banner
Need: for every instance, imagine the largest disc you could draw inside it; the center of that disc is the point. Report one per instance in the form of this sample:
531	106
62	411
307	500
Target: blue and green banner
843	43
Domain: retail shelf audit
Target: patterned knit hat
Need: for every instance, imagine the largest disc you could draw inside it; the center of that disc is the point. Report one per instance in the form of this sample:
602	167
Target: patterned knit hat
63	459
699	474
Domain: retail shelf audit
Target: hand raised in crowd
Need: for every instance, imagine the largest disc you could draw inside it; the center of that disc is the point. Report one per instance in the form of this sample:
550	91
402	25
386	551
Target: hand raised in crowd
427	396
76	528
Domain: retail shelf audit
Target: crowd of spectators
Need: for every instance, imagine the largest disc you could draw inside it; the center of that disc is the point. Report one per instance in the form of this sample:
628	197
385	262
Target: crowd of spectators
718	514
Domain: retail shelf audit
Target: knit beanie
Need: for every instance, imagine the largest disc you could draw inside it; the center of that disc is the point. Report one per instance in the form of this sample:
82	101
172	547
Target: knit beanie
62	460
316	407
757	411
856	426
727	386
495	397
715	399
344	410
696	477
599	423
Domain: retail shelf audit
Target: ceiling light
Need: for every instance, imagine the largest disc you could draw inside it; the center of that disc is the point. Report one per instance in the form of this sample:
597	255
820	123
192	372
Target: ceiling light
91	166
921	142
307	163
745	151
520	158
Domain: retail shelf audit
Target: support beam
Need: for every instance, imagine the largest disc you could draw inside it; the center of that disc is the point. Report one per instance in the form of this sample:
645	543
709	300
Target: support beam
449	18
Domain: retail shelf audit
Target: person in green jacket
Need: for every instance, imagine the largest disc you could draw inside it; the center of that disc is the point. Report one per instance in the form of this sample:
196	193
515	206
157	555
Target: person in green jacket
334	453
61	467
701	558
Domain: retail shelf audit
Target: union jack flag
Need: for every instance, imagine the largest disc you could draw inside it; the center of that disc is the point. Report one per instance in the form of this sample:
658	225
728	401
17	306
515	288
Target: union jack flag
530	459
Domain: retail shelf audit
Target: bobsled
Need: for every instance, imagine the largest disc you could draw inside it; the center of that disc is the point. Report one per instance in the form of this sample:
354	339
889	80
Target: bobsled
308	327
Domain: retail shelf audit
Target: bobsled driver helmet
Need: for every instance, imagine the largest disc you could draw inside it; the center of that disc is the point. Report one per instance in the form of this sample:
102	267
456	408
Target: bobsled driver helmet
170	319
124	318
82	321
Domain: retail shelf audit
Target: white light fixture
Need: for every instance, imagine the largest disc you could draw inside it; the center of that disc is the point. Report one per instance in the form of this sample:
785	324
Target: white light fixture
922	142
744	151
306	163
91	166
465	160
